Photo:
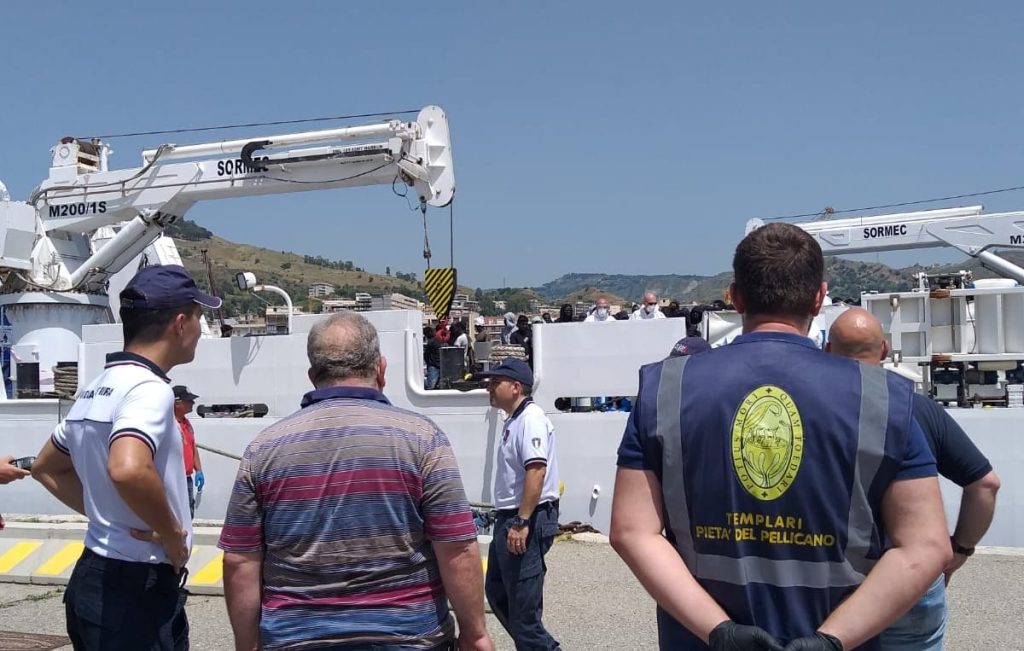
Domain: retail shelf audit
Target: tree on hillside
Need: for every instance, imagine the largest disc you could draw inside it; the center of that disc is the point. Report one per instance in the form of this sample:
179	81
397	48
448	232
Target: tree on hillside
487	307
313	305
185	229
387	271
518	303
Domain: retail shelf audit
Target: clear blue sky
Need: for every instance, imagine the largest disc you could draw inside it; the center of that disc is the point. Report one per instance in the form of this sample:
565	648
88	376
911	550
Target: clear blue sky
600	137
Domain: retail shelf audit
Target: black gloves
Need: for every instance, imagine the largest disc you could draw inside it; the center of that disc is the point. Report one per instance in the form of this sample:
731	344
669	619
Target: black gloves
730	636
817	642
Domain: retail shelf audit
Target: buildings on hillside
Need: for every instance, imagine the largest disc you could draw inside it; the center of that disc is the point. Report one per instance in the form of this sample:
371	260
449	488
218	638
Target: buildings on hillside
362	302
321	290
395	301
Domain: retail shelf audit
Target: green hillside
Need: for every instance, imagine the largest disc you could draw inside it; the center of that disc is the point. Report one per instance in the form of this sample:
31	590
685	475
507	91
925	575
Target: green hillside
293	272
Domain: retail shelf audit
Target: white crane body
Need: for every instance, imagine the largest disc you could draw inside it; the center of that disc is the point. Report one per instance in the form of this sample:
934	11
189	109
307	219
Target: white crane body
63	250
967	229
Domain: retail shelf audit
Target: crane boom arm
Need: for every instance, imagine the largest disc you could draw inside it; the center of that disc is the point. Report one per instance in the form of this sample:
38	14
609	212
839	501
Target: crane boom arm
82	195
967	229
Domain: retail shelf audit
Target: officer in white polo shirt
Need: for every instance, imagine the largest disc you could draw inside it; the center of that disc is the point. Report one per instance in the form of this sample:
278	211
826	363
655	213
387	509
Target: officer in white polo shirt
117	458
526	497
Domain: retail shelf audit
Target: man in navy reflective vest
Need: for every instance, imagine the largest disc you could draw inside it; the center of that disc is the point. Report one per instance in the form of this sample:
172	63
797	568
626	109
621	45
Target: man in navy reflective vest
769	494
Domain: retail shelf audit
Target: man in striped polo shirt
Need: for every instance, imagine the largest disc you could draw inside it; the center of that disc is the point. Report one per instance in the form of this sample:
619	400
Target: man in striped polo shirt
117	458
348	526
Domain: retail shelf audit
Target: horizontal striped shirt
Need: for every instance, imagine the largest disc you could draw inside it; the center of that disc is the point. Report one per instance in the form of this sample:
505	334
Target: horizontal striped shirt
343	498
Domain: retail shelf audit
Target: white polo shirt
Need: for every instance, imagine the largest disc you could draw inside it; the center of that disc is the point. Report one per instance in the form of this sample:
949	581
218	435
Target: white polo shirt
528	437
131	397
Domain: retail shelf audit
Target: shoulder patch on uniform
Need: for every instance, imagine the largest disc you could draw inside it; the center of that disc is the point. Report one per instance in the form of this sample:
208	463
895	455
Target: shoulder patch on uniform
767	442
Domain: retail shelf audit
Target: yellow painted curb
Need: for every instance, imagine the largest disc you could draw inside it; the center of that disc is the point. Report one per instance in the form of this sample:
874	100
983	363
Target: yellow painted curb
15	555
62	560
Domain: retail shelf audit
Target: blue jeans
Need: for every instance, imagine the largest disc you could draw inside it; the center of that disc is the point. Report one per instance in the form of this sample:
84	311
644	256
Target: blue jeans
922	628
446	646
433	375
515	583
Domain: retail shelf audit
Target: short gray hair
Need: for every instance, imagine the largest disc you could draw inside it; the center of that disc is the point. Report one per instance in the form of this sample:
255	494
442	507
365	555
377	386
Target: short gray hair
343	346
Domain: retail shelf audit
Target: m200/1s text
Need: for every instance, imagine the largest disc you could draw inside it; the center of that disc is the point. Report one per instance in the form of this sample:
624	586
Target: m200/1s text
76	209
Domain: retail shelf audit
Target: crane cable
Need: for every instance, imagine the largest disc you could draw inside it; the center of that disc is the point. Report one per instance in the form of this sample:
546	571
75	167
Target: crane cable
110	136
829	211
426	238
427	254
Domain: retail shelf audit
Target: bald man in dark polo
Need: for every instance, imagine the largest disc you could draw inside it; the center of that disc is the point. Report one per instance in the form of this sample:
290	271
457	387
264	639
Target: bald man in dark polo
857	334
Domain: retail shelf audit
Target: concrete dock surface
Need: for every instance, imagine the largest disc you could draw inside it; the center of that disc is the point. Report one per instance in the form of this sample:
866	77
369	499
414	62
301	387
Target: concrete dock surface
593	602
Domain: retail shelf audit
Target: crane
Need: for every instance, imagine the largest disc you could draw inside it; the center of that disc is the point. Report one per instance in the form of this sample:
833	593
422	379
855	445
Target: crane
67	250
967	229
943	329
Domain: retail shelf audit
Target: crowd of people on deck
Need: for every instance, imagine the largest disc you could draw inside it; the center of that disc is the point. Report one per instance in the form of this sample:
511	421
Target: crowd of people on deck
769	495
517	331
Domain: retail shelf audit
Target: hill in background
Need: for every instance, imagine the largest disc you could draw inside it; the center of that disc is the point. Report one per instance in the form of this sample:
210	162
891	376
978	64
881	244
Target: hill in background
846	279
291	272
294	273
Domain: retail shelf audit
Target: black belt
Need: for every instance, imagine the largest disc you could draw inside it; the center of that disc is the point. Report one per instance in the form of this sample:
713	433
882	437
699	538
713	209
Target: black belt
551	504
163	568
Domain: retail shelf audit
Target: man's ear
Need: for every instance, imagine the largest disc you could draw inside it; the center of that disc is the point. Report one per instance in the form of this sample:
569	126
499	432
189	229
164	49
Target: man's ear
819	299
177	325
885	350
737	299
180	321
312	376
382	369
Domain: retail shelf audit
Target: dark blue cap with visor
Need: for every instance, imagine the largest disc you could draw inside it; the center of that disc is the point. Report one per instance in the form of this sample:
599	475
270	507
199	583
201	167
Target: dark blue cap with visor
513	369
163	287
689	346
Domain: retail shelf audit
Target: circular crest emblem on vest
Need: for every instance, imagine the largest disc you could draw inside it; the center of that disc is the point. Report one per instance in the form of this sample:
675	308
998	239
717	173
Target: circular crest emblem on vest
767	442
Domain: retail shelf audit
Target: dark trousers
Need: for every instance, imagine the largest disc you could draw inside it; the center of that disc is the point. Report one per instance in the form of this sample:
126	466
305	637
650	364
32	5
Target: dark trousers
114	605
191	495
515	583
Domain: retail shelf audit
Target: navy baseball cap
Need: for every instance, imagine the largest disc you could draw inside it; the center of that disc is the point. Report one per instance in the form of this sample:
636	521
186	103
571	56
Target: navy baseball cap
162	287
689	346
181	392
513	369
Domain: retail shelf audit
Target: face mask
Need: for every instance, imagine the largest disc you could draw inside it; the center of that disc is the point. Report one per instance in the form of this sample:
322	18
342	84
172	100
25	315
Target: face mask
602	313
650	308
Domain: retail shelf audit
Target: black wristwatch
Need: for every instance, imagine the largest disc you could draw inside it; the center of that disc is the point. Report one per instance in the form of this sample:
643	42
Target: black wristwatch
958	549
518	522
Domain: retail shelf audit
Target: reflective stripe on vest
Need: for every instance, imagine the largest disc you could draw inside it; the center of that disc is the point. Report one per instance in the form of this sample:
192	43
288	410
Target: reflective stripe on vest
872	429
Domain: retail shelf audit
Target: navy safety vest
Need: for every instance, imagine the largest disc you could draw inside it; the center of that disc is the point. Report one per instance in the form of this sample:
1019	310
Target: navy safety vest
774	459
